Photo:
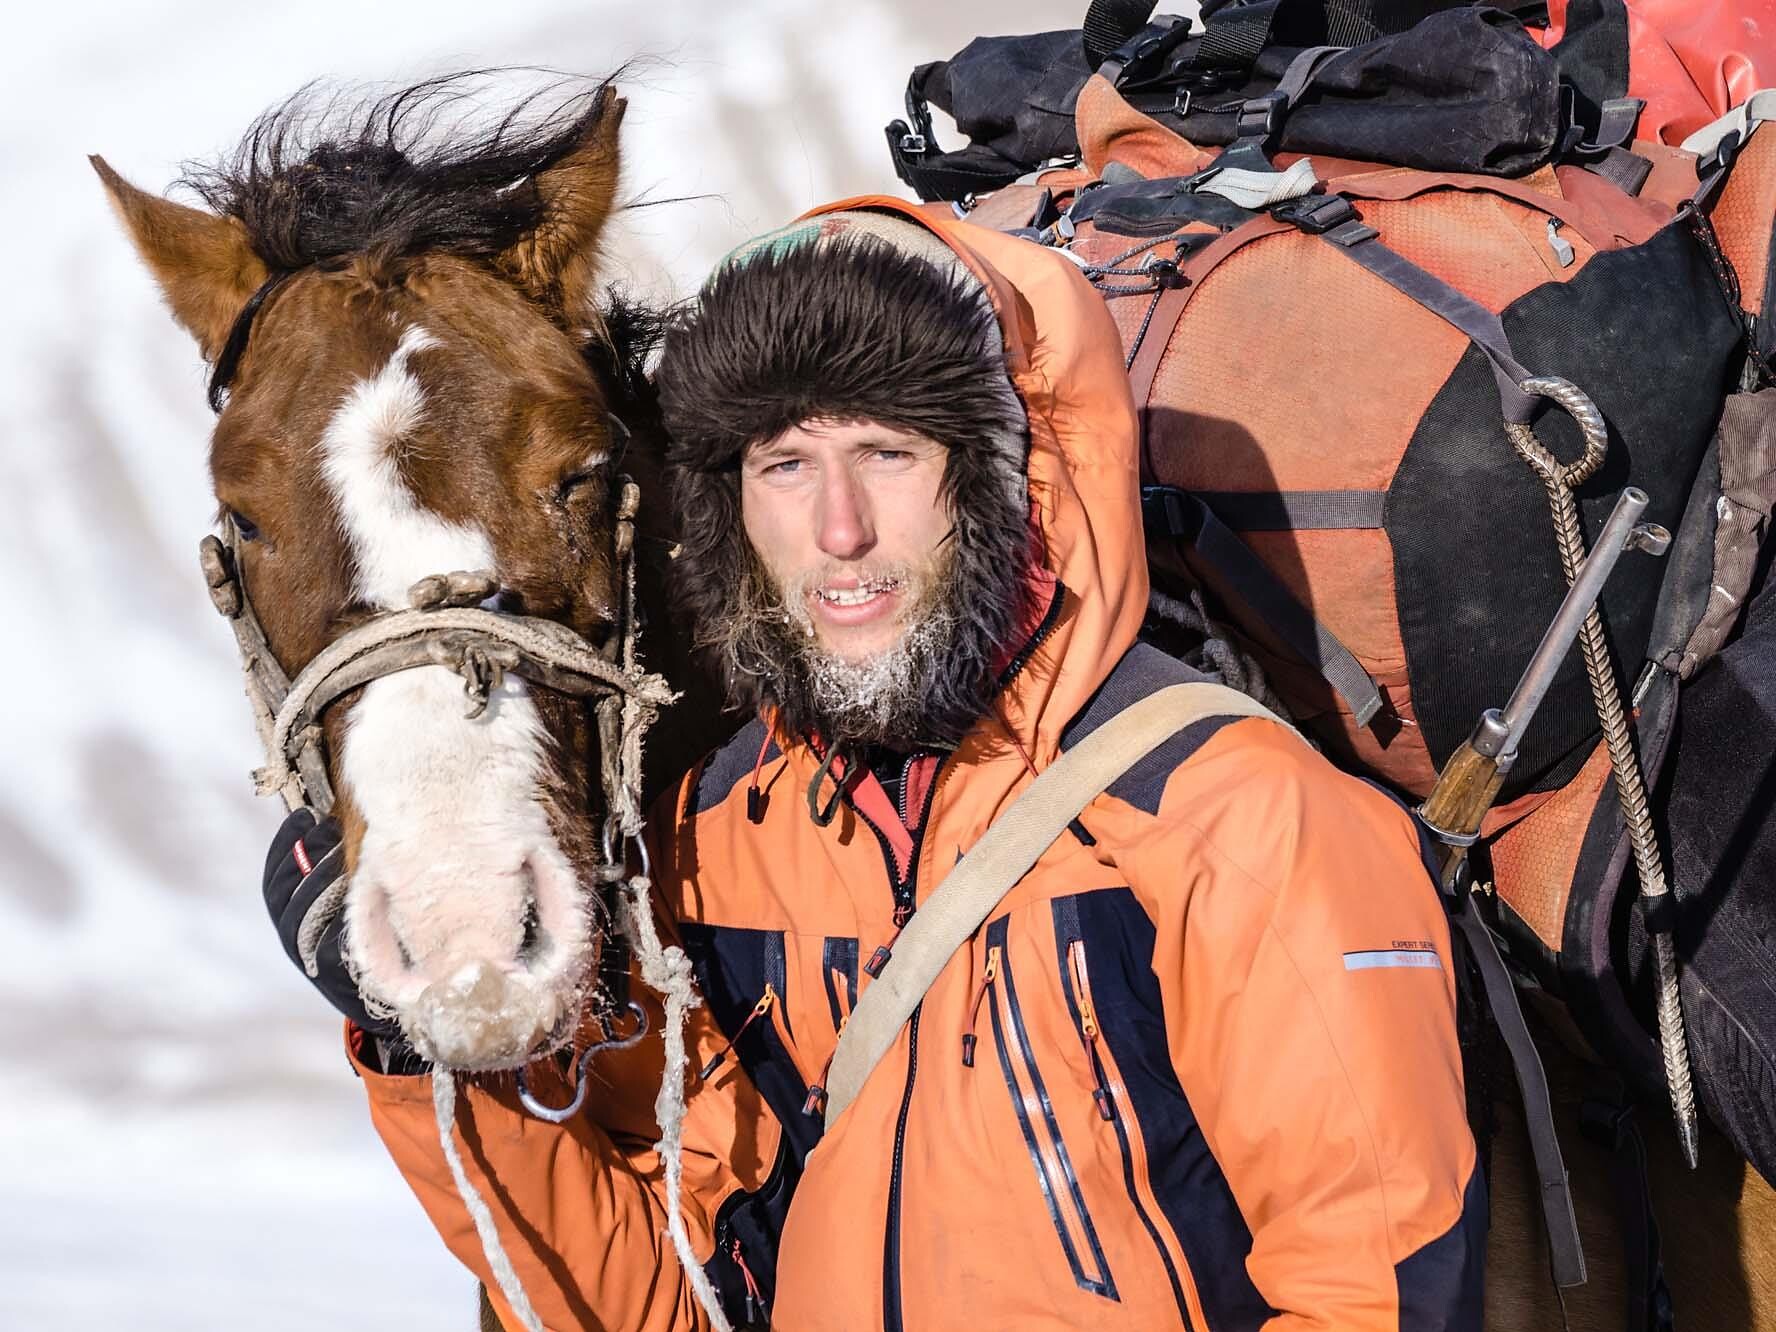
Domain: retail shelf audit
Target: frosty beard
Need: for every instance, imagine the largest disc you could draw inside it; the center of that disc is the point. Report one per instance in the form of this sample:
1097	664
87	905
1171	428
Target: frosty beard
924	689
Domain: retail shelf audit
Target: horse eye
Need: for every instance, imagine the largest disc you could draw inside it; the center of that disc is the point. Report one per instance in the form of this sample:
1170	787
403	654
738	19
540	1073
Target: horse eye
245	526
574	482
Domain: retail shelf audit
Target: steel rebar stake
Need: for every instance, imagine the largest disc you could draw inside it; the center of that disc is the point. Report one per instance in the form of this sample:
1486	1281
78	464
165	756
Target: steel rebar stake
1561	480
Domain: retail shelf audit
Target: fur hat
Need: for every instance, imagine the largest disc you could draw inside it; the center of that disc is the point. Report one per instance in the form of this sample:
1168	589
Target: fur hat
848	317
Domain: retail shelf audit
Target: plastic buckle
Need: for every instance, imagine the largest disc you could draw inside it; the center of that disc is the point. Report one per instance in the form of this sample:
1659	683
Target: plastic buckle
1163	509
1316	214
1719	157
1259	118
913	143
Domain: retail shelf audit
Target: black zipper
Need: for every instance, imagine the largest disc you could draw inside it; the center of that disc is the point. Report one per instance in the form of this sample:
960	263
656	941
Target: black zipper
727	1241
1103	1284
1050	618
903	893
891	1317
1075	1004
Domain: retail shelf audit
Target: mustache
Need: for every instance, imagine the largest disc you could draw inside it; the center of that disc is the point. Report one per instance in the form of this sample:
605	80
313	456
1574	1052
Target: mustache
875	577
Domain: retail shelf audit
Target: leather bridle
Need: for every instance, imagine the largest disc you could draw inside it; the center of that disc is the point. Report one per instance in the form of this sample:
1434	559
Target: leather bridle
447	623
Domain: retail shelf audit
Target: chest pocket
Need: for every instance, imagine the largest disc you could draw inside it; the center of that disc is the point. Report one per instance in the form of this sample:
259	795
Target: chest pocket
1034	1107
779	1000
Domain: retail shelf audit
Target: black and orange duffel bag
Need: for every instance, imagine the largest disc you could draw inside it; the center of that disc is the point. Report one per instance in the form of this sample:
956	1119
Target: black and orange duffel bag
1332	266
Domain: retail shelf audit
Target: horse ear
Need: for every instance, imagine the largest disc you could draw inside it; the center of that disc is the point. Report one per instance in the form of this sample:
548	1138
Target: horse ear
556	262
204	264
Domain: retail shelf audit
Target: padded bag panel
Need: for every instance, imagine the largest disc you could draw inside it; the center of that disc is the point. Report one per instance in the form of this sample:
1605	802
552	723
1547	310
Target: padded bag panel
1643	331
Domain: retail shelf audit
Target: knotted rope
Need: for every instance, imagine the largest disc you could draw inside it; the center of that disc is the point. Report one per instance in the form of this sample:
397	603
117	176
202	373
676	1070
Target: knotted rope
481	645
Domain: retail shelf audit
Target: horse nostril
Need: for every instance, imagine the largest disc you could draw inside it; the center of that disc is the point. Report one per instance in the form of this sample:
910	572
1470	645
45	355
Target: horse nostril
533	930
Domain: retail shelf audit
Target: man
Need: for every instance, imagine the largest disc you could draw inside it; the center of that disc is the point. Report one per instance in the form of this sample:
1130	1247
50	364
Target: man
1199	1068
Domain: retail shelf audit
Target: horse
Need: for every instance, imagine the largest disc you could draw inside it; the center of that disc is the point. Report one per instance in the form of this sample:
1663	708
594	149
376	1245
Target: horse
419	381
1716	1225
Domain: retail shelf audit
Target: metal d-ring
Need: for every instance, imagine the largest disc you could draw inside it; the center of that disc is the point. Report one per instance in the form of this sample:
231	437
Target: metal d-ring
582	1079
1573	400
614	839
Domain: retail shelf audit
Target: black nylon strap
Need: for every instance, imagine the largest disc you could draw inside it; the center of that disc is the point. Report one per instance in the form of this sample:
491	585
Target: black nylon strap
1567	1255
1240	577
1233	39
1296	510
1608	1119
1110	23
1615	126
1261	119
1481	325
949	176
1625	170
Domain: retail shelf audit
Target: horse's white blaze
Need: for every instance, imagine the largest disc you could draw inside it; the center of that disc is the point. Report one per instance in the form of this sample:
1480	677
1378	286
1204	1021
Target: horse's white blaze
457	840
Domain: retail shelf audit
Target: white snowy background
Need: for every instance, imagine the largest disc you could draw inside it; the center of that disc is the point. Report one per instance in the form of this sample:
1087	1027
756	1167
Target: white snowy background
181	1143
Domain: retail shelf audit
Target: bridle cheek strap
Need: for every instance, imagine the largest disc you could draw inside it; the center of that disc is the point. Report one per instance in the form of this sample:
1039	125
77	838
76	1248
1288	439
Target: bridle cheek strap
443	626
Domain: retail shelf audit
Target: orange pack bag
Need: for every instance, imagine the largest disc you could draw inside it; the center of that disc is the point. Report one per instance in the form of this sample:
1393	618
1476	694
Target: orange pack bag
1322	376
1324	448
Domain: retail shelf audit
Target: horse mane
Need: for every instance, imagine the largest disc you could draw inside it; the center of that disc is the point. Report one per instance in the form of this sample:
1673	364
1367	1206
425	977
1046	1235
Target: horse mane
329	173
620	354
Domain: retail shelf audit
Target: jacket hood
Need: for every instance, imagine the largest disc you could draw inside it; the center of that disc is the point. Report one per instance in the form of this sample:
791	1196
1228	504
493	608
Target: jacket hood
1064	359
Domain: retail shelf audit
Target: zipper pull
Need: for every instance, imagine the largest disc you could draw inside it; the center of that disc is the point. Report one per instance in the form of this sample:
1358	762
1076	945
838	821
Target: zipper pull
1088	1030
988	976
879	958
759	1009
755	1295
1563	250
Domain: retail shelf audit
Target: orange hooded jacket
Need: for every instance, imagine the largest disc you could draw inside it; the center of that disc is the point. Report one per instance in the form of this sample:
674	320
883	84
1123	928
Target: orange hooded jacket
1199	1069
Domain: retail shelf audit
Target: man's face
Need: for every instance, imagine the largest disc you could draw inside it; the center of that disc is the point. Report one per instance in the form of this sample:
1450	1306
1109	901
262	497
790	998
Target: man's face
848	520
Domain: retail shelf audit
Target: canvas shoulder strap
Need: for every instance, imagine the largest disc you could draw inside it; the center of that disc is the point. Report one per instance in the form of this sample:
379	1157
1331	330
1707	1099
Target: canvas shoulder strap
962	902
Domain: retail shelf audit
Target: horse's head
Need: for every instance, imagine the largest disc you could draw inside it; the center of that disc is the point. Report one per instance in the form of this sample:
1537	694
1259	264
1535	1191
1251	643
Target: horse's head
417	393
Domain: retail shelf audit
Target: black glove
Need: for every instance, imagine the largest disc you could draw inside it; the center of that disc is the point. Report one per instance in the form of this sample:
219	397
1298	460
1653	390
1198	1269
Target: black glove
305	893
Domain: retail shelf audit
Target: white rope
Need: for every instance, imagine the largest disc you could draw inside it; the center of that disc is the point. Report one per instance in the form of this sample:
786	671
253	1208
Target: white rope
668	971
1217	654
406	633
444	1106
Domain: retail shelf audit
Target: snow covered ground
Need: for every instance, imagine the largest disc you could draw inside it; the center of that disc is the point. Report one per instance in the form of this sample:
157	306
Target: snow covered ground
181	1144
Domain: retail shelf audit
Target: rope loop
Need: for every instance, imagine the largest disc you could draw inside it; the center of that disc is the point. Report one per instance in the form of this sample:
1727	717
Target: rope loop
1576	403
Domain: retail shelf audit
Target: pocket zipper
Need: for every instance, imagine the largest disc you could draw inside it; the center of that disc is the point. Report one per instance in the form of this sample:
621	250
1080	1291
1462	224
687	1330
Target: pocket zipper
759	1009
988	976
1088	1030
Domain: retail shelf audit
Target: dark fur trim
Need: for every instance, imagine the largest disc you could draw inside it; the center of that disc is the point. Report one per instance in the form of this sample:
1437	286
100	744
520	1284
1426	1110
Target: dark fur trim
848	328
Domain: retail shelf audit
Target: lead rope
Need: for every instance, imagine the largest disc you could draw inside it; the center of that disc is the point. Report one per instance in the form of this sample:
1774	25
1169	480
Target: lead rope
622	723
498	1261
668	971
